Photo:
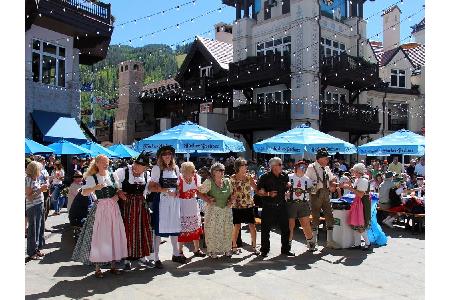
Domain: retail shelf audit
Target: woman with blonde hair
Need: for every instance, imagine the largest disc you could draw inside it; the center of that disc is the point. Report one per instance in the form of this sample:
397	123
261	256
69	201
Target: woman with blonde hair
102	239
217	193
191	223
34	205
166	218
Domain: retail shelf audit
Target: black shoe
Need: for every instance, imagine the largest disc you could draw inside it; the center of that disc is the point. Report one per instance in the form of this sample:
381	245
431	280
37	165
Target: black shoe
179	259
158	264
199	253
127	266
365	247
355	247
288	253
263	254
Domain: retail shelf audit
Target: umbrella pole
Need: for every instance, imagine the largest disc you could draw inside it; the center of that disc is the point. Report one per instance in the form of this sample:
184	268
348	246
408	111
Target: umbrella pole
403	159
187	156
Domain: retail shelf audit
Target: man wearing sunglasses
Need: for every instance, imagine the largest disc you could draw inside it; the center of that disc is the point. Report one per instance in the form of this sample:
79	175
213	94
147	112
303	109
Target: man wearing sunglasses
324	182
272	187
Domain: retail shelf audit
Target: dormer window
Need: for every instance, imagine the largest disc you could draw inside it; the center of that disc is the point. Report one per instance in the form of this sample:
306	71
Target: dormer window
206	71
398	78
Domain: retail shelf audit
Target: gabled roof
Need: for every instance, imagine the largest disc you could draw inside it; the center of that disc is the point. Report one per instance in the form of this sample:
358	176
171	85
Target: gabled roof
220	54
163	85
414	52
221	51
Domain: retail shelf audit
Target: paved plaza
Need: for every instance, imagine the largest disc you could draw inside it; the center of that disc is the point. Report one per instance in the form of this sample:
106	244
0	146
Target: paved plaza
395	271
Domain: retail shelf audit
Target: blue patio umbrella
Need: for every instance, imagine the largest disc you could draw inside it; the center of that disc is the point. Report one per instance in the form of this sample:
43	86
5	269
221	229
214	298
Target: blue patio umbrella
63	147
189	137
123	151
303	138
32	147
65	128
98	149
402	142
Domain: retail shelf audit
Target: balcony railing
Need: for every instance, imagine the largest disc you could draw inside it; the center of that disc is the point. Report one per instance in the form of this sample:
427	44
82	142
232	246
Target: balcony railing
259	70
97	10
352	72
250	117
353	118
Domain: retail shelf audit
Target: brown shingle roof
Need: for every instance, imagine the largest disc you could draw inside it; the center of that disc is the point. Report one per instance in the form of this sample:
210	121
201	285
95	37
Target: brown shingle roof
415	53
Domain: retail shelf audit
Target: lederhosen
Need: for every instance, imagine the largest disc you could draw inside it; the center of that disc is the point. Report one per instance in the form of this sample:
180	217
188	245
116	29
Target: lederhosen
136	218
170	183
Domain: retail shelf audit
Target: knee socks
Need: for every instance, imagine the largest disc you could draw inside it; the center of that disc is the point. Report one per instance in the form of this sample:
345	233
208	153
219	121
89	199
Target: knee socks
174	241
366	238
156	242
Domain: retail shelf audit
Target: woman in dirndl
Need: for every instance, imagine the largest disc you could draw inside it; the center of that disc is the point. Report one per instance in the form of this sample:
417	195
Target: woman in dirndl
102	239
133	185
166	218
191	222
217	193
360	213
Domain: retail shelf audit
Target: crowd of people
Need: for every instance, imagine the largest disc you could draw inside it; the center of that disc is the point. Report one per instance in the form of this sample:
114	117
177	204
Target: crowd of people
123	209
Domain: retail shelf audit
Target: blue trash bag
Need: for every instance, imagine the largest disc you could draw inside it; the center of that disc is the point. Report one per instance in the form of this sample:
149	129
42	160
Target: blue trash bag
375	233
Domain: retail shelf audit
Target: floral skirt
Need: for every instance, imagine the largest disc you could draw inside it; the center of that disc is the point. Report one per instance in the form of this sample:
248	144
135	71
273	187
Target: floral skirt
218	228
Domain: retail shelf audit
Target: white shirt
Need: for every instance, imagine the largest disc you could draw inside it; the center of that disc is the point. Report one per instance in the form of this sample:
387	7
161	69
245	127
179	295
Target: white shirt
302	183
345	179
420	169
156	172
361	184
90	182
311	173
120	174
60	173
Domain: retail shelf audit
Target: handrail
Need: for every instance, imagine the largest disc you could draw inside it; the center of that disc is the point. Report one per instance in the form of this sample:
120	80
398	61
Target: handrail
96	9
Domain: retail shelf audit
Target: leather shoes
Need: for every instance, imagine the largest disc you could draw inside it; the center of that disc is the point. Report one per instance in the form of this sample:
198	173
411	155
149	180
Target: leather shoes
179	259
289	253
263	254
158	264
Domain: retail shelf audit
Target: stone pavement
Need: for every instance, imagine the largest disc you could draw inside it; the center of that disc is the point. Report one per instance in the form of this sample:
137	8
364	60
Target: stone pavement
395	271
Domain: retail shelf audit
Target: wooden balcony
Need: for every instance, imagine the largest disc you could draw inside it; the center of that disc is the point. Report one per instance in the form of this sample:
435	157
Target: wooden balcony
349	72
251	117
258	71
353	118
89	23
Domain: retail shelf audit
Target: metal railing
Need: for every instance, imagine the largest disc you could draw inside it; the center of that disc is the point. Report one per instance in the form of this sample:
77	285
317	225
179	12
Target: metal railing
97	10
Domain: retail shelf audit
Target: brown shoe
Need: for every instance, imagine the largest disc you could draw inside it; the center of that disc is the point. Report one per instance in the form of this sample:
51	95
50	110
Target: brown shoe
99	274
115	271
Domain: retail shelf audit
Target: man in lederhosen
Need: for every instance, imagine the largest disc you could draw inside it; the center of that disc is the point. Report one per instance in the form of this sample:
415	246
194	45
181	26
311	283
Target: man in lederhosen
133	183
324	180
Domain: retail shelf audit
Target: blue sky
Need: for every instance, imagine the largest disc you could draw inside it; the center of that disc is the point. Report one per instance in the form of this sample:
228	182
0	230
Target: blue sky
129	10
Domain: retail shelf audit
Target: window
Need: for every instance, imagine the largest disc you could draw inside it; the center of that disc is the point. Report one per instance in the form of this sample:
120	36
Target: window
272	100
397	116
267	11
331	48
334	98
135	67
48	63
398	78
285	6
206	72
280	45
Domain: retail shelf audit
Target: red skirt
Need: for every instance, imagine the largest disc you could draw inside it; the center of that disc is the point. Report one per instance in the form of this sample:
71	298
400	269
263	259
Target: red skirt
136	219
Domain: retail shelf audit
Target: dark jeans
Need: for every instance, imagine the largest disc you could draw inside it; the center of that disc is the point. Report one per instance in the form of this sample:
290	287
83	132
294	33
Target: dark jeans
36	226
57	200
271	216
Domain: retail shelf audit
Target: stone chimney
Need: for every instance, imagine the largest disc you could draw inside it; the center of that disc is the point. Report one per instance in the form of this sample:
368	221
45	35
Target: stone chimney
129	111
224	32
418	32
391	28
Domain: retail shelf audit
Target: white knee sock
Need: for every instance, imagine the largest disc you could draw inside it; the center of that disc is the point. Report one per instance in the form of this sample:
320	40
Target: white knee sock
366	238
156	242
329	235
174	241
314	231
357	238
